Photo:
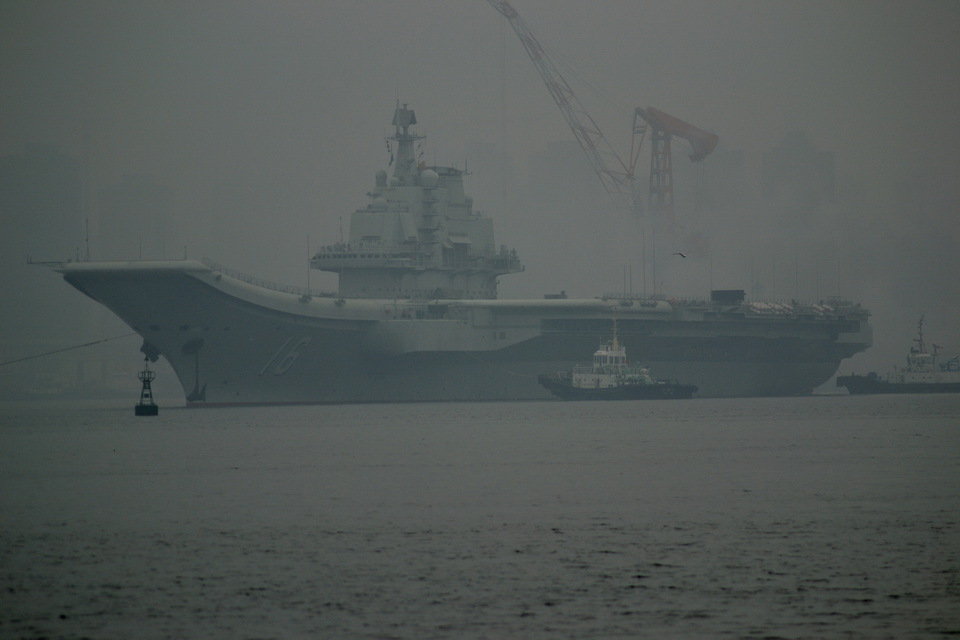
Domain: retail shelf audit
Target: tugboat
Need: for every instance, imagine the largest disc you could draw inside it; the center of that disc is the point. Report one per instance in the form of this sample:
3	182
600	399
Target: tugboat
611	377
923	374
146	406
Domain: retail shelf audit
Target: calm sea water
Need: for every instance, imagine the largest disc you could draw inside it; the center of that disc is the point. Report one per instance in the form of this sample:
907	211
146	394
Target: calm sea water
820	517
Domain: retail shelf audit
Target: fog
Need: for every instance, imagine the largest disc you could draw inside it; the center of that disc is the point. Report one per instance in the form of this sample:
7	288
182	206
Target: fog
246	132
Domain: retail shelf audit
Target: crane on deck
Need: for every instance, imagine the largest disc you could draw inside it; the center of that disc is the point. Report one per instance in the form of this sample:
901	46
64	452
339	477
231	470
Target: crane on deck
616	174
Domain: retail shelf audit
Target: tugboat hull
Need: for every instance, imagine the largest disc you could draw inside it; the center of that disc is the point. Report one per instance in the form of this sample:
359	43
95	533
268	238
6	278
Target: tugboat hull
923	374
562	387
873	384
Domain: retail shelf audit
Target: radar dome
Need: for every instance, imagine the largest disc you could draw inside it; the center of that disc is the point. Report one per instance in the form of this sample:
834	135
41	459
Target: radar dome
429	179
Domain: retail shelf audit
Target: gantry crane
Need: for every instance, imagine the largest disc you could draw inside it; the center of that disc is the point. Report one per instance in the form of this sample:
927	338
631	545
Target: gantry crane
616	175
665	127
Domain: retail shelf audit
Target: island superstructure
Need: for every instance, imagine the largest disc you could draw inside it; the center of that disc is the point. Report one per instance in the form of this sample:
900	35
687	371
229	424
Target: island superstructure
416	316
419	237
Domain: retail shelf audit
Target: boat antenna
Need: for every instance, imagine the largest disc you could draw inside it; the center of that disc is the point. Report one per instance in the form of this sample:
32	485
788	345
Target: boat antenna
616	341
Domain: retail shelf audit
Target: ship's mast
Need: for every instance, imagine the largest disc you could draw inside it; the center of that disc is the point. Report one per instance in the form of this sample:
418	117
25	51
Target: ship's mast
406	163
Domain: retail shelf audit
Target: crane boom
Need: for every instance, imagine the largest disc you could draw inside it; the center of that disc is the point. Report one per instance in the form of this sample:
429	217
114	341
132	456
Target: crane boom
614	173
617	176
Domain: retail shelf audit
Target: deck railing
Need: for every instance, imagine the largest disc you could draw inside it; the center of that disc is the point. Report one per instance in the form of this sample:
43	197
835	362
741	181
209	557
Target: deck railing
266	284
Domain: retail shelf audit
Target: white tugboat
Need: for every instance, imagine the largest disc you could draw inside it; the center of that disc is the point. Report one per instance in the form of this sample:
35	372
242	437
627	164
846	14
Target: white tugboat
612	377
924	373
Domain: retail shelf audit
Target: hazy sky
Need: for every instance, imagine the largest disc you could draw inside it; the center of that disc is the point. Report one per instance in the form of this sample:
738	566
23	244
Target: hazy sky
265	121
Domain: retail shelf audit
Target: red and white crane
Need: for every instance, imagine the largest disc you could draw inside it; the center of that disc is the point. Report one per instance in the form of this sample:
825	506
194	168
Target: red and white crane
665	127
616	175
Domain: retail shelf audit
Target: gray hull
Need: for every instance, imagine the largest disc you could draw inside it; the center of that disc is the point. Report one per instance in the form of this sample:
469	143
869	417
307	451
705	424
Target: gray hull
231	342
874	385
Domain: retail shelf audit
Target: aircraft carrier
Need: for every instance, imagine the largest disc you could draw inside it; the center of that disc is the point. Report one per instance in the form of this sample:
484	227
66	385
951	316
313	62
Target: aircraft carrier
416	316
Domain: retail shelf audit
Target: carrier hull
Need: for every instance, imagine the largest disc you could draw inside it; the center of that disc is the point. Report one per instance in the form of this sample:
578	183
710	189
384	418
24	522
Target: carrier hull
232	342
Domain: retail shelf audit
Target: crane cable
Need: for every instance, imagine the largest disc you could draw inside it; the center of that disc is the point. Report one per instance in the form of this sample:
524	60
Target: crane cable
76	346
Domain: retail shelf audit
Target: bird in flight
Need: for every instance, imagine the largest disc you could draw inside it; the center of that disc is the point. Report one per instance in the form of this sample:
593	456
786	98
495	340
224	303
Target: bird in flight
677	253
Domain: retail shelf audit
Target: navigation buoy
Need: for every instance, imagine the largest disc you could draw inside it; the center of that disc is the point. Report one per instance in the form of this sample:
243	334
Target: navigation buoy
146	406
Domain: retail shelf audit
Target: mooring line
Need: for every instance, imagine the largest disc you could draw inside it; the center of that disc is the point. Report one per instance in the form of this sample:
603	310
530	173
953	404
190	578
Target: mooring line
76	346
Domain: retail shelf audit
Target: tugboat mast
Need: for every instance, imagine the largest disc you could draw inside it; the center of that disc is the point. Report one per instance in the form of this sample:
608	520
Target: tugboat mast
919	338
